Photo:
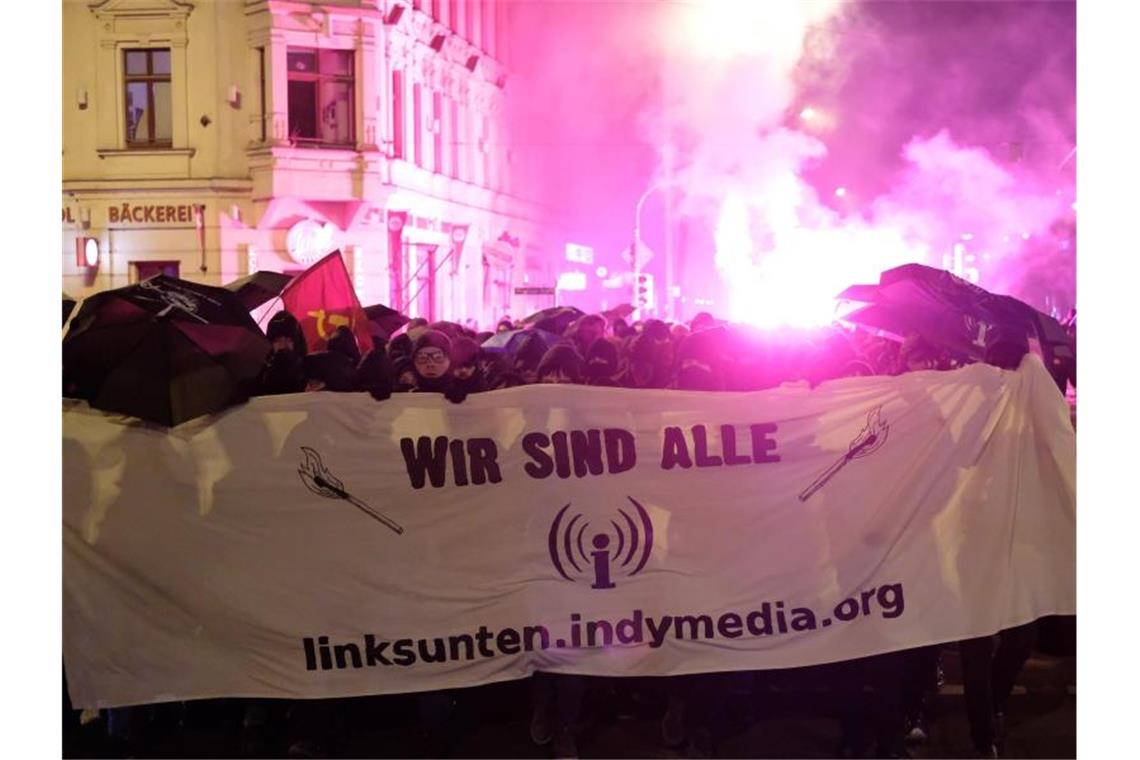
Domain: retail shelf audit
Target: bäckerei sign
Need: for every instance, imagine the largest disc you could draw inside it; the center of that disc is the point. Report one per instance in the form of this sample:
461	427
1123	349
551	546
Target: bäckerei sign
320	544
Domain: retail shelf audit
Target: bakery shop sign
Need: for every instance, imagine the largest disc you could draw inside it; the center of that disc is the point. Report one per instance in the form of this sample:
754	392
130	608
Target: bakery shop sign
123	213
130	213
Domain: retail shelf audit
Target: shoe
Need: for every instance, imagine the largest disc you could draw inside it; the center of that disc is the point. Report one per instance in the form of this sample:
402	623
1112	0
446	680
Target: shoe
900	753
541	725
999	731
433	743
565	747
700	744
673	724
305	749
916	732
991	752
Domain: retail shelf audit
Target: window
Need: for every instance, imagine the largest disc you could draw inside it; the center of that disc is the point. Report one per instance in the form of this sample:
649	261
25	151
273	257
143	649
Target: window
146	82
398	118
321	96
418	123
144	270
470	11
437	132
487	16
261	91
485	153
453	138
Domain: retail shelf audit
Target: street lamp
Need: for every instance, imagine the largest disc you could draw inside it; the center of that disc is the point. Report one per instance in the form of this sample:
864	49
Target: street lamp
637	241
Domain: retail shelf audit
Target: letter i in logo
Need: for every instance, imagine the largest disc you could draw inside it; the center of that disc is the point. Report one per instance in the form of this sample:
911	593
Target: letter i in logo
601	557
567	546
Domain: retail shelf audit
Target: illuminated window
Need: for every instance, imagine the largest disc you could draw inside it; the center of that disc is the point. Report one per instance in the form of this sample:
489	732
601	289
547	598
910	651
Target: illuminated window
146	83
144	270
321	97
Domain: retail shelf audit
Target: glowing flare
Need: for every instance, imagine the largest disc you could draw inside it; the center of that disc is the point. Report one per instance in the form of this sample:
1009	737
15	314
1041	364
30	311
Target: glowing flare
795	281
721	29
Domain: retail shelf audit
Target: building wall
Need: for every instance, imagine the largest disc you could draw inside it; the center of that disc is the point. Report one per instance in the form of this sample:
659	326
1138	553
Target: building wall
232	153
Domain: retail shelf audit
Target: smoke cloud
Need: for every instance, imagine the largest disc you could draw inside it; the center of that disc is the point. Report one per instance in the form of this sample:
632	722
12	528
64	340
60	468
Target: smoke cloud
855	136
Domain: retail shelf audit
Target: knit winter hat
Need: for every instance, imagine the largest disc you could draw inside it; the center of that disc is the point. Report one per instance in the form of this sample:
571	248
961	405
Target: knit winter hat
562	358
285	325
344	341
602	358
432	339
332	367
464	351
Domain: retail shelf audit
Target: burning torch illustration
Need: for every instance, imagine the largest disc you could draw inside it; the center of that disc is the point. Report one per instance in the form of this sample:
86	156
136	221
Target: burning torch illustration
869	440
320	481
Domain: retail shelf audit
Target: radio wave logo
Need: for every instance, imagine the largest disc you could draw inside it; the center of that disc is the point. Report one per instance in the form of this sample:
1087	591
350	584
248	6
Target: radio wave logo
622	546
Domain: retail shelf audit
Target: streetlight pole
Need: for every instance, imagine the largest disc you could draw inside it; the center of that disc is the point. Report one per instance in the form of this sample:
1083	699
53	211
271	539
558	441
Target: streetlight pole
637	240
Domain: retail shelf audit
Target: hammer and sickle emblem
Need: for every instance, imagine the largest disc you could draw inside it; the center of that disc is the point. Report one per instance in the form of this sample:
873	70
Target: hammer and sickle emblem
335	320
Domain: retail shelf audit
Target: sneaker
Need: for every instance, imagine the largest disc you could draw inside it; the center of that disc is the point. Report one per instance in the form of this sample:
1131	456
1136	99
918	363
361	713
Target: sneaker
999	731
304	748
895	753
541	725
700	744
565	747
916	731
673	724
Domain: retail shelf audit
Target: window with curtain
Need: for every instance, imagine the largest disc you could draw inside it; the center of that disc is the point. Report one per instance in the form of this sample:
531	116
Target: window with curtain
321	97
146	85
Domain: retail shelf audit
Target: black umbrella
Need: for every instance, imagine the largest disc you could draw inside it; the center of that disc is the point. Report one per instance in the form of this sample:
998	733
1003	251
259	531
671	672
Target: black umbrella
385	320
259	287
883	319
68	307
953	313
509	341
555	319
164	350
862	293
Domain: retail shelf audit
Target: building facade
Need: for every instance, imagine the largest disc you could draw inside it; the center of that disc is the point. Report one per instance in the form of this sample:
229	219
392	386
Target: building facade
209	139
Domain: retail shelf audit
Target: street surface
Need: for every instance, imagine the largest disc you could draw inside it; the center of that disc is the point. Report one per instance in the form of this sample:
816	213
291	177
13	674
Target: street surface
789	714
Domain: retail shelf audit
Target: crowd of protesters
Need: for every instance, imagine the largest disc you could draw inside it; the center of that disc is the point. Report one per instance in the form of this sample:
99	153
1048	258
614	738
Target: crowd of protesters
447	358
882	698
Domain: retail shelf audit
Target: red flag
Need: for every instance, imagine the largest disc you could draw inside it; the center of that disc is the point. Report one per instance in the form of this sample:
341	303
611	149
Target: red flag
322	299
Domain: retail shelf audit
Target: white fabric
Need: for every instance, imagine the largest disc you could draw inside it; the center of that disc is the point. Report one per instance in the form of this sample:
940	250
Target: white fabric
199	563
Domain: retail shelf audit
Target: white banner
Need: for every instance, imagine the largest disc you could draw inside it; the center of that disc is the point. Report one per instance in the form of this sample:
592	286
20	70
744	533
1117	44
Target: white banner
327	544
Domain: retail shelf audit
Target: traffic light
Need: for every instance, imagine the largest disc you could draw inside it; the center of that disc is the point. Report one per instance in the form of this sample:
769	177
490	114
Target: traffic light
644	291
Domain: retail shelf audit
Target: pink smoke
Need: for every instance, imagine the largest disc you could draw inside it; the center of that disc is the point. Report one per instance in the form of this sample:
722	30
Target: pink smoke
944	124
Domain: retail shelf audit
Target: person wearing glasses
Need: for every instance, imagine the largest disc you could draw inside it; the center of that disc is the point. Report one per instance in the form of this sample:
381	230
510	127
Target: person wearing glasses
431	362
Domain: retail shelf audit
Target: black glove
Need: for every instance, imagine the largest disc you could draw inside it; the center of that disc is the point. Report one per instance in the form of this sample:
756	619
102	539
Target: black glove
380	392
455	395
